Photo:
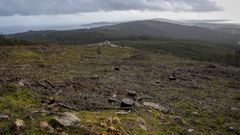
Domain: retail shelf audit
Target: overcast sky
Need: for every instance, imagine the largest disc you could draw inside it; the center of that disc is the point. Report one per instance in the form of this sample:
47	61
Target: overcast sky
61	12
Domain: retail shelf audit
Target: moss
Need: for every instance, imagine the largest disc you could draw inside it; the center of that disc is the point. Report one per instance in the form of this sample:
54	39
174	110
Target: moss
16	103
27	54
219	121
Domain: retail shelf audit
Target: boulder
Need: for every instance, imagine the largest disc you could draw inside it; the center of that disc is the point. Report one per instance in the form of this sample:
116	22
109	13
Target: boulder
116	68
21	83
132	93
95	77
196	114
157	81
4	117
112	100
155	106
190	131
126	102
122	112
172	78
231	129
211	66
234	109
65	120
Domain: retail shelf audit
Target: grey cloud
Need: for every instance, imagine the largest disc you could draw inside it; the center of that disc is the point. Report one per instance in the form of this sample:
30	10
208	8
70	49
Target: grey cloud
54	7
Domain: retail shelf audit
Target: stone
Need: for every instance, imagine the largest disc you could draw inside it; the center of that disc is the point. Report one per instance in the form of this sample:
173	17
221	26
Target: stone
190	130
116	68
122	112
3	117
21	83
66	119
155	106
132	93
114	95
196	114
126	102
95	77
231	129
234	109
211	66
112	100
19	125
172	78
157	81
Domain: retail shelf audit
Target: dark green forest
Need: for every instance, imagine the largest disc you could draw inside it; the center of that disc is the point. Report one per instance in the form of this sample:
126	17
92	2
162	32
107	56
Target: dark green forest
4	40
203	51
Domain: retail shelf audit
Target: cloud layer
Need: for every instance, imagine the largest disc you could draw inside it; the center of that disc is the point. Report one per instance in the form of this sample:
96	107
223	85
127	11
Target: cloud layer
55	7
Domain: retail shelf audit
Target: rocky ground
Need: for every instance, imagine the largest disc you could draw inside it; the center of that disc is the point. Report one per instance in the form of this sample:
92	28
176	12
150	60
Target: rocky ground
107	89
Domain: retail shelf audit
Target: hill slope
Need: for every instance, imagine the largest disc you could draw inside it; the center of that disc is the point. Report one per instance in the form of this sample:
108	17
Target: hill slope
131	30
38	83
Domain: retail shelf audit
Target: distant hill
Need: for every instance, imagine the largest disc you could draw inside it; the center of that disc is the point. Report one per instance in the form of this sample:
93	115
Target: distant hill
219	25
147	29
98	24
12	29
228	27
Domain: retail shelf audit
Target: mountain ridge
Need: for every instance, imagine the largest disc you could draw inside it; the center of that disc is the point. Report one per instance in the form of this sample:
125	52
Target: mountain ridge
134	29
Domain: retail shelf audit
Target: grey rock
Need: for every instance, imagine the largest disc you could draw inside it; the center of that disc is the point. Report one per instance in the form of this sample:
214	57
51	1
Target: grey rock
116	68
157	81
65	120
196	114
126	102
190	130
231	129
234	109
155	106
95	77
172	78
112	100
132	93
3	117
